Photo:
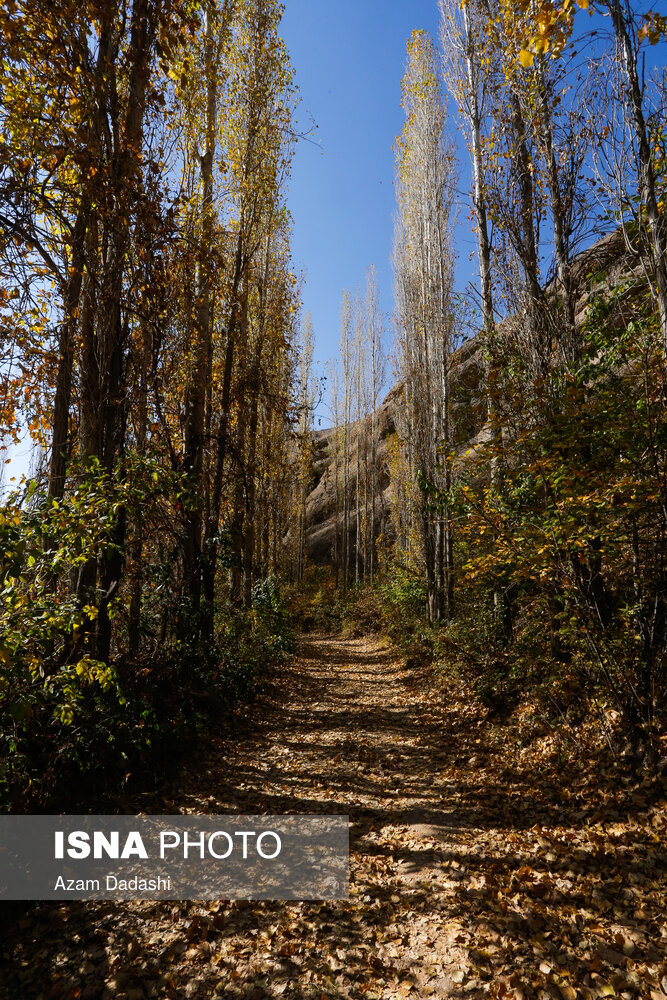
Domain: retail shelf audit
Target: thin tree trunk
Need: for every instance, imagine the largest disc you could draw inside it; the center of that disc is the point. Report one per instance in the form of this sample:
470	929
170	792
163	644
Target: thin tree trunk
249	529
236	322
557	213
63	395
238	524
527	248
196	394
373	484
357	567
137	542
647	181
479	196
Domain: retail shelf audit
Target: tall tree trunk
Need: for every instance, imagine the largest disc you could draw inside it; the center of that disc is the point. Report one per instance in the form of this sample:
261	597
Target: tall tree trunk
357	546
479	194
337	506
61	406
527	247
570	347
81	243
235	328
239	520
373	483
136	545
249	530
197	388
113	330
647	179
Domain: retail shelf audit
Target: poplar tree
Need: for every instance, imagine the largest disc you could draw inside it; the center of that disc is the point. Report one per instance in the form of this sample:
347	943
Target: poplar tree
306	400
463	39
423	265
347	373
648	156
377	365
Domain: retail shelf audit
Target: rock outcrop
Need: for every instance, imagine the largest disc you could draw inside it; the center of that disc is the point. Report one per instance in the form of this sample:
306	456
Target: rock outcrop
321	519
321	505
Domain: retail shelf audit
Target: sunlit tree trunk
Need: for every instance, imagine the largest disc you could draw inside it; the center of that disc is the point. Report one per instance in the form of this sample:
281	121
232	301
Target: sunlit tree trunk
66	344
622	18
423	263
346	348
195	403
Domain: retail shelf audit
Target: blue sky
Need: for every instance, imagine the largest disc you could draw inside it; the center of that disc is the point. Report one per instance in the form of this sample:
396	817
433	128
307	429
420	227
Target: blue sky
349	59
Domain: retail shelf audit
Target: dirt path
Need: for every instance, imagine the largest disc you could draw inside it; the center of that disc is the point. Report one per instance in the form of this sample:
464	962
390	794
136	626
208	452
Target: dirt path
469	877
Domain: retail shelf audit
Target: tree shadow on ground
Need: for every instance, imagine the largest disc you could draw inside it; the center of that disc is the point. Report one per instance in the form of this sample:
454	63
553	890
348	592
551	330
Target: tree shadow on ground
470	873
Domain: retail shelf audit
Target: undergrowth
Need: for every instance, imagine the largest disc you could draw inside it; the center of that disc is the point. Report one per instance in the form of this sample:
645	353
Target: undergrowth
84	732
507	667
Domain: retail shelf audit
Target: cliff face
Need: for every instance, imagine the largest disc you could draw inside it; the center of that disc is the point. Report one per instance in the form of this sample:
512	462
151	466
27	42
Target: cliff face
602	267
321	502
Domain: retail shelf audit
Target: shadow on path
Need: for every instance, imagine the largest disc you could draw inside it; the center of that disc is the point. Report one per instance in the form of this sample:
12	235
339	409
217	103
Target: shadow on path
470	873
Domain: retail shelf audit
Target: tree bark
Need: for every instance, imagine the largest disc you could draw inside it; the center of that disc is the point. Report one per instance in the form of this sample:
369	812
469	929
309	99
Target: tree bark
196	395
63	396
647	179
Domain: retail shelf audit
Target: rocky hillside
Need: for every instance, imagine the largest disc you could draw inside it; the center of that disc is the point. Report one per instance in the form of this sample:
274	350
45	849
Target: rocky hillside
321	503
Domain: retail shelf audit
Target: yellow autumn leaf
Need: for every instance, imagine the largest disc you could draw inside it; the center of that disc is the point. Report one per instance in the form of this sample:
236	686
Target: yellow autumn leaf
66	715
526	58
583	4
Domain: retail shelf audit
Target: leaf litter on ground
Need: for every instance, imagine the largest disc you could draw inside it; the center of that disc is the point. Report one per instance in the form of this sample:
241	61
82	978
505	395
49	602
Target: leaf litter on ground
483	862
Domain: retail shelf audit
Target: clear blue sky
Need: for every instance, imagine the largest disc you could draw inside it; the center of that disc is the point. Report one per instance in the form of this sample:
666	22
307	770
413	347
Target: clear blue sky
349	59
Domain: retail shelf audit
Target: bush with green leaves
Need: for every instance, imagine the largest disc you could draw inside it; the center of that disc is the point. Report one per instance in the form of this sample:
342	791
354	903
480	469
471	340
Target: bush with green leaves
404	601
73	727
272	616
570	539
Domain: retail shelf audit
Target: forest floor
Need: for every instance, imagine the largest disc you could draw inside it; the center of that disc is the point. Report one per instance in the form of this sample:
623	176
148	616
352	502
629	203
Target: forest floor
482	863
